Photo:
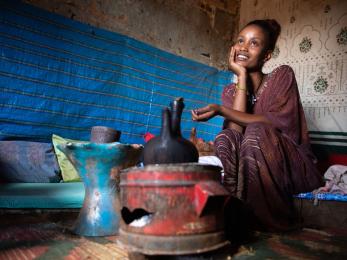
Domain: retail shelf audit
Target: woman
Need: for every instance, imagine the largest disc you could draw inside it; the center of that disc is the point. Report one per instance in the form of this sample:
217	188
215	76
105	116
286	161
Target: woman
264	146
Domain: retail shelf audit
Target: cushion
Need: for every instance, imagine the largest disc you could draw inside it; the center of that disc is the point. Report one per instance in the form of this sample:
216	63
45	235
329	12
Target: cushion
68	171
41	195
25	161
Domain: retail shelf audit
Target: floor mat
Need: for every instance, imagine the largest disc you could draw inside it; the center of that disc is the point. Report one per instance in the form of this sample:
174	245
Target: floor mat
32	238
51	241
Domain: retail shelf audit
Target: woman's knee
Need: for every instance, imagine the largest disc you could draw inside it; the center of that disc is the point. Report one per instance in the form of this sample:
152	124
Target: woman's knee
228	135
260	135
227	141
256	130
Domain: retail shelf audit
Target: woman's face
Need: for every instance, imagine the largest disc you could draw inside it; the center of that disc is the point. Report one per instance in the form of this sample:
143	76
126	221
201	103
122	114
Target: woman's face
250	48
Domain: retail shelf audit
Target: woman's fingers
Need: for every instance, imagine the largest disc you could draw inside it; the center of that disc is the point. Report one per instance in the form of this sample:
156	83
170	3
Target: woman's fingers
195	115
202	110
203	114
231	57
233	66
199	111
202	117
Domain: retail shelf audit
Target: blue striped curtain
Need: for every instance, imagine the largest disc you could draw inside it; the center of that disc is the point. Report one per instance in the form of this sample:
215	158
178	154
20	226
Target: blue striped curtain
63	77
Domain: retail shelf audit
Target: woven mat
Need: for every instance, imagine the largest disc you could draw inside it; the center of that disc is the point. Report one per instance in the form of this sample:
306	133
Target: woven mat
54	241
50	241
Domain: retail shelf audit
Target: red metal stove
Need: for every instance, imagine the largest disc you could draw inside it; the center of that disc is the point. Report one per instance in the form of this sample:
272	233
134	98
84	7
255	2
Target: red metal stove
172	209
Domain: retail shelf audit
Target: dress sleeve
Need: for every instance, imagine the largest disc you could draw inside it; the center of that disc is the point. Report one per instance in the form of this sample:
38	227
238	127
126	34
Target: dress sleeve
283	106
227	98
227	95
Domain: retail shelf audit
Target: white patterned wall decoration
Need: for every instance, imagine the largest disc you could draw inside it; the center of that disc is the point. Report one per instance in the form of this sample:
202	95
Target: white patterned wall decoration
313	42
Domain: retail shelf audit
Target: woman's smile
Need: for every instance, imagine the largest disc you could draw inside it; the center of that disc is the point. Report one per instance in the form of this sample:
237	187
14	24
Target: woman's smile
242	56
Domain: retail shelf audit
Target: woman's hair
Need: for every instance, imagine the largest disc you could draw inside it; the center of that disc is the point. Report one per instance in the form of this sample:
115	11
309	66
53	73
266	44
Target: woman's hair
271	27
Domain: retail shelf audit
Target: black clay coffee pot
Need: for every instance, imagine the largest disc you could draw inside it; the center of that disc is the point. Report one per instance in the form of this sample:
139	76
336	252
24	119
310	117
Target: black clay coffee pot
170	146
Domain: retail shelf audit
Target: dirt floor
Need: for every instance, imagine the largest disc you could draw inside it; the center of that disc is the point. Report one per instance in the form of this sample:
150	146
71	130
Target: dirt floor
46	235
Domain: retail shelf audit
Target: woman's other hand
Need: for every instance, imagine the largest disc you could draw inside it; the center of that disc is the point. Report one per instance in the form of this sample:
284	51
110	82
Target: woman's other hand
233	66
206	113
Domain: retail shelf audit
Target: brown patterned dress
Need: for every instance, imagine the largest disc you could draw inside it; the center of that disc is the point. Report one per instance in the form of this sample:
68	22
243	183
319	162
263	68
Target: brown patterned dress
269	163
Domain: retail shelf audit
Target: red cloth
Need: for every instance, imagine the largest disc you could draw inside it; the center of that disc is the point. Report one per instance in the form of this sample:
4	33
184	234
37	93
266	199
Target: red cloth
338	159
148	136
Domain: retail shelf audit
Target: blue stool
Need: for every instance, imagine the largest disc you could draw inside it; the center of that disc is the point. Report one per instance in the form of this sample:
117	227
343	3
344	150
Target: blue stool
98	165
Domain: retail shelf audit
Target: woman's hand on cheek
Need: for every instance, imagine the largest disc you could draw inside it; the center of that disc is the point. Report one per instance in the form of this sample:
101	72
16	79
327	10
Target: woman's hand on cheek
205	113
233	66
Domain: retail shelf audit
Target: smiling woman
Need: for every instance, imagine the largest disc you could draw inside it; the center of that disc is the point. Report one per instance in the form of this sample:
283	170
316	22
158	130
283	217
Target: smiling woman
264	146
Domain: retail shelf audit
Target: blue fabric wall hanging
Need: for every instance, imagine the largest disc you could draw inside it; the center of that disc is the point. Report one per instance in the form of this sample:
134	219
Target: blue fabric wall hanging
61	76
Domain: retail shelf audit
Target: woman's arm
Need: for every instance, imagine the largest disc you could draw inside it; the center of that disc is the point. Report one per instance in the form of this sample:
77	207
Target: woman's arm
239	101
238	117
242	118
